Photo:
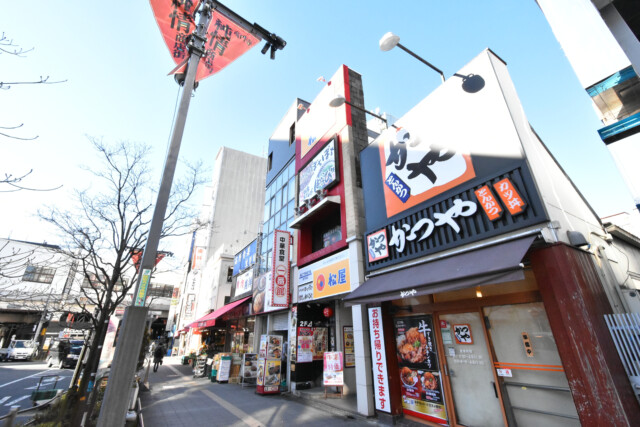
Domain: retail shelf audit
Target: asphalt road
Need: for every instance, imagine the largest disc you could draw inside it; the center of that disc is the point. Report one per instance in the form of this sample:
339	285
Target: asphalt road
19	379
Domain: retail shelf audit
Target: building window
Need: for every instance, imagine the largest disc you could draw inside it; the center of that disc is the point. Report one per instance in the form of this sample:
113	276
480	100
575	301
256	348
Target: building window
269	162
292	133
229	274
162	291
98	282
38	274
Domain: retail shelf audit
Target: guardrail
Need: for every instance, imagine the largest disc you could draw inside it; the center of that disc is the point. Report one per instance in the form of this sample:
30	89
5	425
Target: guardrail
11	416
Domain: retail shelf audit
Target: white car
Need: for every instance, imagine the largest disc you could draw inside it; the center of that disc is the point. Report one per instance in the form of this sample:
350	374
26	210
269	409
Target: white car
20	349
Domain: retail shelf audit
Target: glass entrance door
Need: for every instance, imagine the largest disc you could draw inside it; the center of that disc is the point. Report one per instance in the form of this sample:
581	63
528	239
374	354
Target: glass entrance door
475	395
536	389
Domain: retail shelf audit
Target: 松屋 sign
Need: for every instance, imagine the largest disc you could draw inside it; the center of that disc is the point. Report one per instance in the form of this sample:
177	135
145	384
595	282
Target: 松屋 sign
379	362
329	276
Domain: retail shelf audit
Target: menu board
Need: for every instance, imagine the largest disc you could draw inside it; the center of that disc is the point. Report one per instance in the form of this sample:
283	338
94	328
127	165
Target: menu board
225	368
305	345
320	342
421	383
249	368
263	346
274	348
271	380
349	352
333	369
260	378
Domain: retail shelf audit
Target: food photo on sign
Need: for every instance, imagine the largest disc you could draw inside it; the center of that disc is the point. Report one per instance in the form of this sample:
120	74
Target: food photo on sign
421	384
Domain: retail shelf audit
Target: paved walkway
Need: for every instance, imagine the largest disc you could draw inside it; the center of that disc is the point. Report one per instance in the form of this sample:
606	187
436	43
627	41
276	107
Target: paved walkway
177	399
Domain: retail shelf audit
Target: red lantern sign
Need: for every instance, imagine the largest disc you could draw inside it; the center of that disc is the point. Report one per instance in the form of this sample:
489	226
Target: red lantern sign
328	312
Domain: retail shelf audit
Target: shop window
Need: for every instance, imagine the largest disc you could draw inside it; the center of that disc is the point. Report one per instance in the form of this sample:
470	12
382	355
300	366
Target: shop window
327	232
38	274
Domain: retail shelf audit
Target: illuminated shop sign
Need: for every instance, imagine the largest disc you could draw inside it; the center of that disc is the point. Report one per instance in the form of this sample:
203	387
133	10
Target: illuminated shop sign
319	174
451	172
465	217
280	269
245	258
244	283
327	277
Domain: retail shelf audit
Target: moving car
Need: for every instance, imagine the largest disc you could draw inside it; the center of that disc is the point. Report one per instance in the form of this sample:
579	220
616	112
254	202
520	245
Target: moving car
20	350
64	353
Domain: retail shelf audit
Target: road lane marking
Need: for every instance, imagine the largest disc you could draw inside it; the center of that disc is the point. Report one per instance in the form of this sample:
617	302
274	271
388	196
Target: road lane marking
4	399
20	379
16	400
239	413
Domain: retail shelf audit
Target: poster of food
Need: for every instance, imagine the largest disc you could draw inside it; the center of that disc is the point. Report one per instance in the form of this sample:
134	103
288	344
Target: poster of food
274	347
263	346
305	345
260	378
420	378
320	342
249	368
349	352
272	376
333	369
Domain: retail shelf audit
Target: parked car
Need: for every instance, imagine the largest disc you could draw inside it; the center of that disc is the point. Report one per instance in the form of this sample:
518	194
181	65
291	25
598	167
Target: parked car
64	353
20	350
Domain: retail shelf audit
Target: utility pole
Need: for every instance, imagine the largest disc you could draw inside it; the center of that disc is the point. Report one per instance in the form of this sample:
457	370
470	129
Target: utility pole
116	399
115	404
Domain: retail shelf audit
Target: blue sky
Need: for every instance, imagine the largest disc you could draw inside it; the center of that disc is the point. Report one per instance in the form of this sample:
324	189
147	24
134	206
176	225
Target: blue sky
115	63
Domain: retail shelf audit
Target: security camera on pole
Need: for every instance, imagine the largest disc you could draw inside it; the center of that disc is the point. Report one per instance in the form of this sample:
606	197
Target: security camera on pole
218	41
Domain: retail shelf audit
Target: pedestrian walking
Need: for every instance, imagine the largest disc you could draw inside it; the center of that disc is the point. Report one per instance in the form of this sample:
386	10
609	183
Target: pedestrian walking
158	354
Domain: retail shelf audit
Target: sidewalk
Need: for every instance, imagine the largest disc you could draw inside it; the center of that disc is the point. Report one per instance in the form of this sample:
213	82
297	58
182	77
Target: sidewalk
178	399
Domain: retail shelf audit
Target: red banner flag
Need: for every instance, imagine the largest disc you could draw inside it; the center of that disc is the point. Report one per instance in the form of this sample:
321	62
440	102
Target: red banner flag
136	258
226	39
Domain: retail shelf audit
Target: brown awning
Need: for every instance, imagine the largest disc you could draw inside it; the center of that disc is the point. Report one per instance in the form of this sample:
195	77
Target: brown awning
494	264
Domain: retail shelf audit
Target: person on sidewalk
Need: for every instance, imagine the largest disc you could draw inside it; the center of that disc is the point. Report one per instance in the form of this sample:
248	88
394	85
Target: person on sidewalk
158	354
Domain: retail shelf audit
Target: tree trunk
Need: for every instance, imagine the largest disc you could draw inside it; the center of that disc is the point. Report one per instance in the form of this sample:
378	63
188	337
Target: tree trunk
90	369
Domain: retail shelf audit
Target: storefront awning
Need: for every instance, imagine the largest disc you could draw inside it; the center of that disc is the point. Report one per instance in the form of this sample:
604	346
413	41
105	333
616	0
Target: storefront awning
210	319
494	264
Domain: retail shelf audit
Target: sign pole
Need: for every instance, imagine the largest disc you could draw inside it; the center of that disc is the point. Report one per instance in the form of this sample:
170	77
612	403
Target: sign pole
116	399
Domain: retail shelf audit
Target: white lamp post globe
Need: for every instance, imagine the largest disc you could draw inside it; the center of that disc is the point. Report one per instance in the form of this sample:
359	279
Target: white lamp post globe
389	41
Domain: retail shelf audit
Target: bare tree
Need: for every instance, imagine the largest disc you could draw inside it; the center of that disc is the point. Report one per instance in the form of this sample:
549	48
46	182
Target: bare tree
12	181
109	219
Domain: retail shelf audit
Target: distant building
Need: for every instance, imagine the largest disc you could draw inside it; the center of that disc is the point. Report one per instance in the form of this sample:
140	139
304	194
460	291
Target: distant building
36	283
232	210
601	40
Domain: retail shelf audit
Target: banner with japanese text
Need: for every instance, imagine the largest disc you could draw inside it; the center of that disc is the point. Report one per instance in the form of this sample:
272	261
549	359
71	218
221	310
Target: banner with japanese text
379	362
280	269
333	369
226	39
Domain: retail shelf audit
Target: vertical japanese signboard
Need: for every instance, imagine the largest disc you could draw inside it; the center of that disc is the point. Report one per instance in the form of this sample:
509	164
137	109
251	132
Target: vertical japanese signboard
419	370
226	39
380	380
280	269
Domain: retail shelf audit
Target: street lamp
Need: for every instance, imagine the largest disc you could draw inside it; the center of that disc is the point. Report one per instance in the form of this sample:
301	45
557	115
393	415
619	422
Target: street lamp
339	101
390	40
